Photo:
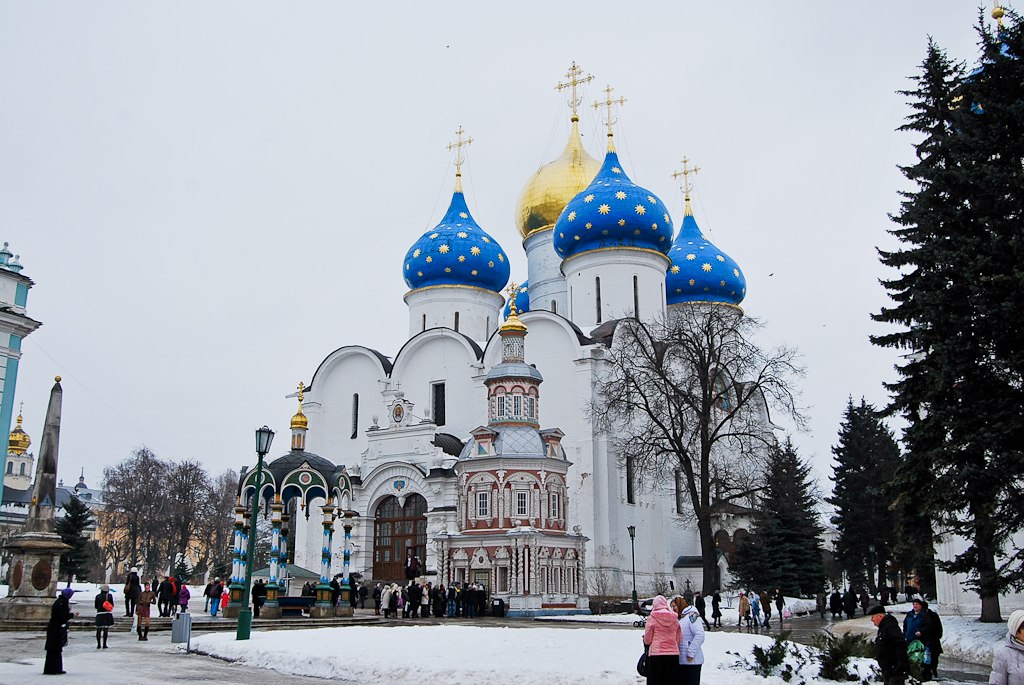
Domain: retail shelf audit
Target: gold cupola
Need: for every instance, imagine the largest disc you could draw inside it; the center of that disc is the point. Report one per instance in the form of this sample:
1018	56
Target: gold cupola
19	441
300	420
549	190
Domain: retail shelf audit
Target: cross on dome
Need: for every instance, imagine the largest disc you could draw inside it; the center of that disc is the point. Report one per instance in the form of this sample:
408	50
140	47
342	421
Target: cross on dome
574	80
610	121
687	186
459	157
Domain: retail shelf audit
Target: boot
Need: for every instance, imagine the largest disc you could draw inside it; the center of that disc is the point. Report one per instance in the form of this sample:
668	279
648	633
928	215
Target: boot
97	638
145	635
139	631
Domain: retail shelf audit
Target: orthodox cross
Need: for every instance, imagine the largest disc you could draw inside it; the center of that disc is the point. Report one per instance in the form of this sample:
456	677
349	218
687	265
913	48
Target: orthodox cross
513	291
457	146
609	102
687	185
997	13
302	389
573	81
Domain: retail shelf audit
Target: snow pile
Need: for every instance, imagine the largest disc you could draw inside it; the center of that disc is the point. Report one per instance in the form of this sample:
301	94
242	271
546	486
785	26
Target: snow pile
967	639
617	619
465	655
798	664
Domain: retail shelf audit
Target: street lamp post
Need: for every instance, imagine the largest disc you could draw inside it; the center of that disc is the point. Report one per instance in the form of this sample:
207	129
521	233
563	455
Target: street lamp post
264	436
632	549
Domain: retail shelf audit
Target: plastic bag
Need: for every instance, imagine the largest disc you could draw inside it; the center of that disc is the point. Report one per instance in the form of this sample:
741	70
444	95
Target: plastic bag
786	613
915	651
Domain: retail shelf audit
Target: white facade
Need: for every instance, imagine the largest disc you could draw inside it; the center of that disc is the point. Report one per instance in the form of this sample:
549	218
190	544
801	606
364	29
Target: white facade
953	597
547	284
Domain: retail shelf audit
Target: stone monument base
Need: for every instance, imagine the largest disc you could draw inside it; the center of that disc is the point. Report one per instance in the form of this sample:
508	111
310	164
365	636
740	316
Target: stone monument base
26	608
345	612
321	611
230	611
270	612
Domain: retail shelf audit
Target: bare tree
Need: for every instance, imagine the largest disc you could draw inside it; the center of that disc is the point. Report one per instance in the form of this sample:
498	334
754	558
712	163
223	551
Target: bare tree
216	530
134	493
688	397
189	496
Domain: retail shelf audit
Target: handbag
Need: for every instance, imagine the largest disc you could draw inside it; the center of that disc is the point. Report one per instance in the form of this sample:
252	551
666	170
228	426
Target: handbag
641	664
107	606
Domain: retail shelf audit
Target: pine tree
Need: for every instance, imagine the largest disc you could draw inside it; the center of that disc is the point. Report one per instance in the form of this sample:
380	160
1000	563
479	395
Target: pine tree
957	303
784	548
74	563
866	458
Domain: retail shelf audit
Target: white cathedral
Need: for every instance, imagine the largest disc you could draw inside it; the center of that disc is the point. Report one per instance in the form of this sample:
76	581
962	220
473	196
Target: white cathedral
396	437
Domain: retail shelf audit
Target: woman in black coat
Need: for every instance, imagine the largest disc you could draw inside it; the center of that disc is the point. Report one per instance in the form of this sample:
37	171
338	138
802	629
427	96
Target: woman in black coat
56	633
104	616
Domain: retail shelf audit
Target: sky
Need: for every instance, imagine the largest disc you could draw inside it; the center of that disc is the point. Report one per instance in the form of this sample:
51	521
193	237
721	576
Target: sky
212	197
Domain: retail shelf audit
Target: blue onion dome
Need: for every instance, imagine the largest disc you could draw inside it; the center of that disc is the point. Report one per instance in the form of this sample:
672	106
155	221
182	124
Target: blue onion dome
613	212
700	272
522	300
456	252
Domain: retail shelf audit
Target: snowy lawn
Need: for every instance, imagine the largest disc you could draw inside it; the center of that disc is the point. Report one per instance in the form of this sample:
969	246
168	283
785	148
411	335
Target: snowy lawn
963	637
618	619
457	655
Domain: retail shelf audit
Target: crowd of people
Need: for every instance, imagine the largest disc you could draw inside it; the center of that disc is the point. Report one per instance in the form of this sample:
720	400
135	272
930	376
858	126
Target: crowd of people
755	609
424	599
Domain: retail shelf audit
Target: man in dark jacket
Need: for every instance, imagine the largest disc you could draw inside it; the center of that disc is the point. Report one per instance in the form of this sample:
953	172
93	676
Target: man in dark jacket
890	646
850	603
835	605
702	607
164	594
925	625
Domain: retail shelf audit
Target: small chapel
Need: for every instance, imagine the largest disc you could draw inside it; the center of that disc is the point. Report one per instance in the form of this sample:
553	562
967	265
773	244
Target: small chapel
436	450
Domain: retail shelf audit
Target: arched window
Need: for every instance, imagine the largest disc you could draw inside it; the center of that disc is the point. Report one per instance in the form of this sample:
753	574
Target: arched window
630	484
355	415
597	296
636	298
424	323
456	322
722	397
10	468
21	469
554	307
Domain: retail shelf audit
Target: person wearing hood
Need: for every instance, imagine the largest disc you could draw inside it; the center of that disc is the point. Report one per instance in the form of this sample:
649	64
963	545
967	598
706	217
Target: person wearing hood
925	625
662	636
57	633
691	639
1008	661
890	646
104	615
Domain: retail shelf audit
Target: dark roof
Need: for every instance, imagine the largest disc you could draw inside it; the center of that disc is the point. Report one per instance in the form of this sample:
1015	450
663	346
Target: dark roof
688	562
448	443
13	496
441	473
605	332
284	465
727	507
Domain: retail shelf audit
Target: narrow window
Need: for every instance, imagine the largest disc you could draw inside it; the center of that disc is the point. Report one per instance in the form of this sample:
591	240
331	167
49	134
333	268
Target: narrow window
501	406
636	299
630	495
456	322
597	298
424	323
522	503
517	405
437	402
10	468
483	505
531	408
21	469
554	307
679	491
487	331
355	415
554	506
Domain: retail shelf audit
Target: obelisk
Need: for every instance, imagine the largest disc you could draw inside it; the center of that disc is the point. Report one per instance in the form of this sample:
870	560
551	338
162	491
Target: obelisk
36	551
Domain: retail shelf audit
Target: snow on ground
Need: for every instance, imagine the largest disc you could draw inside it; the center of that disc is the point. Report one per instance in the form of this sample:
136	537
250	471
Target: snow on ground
623	619
464	655
963	637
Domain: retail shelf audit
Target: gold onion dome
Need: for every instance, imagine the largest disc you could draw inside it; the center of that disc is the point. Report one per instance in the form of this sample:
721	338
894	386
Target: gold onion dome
300	420
550	189
19	441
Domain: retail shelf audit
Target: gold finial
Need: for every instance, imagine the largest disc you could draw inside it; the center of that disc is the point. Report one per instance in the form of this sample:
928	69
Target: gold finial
512	322
610	120
300	420
459	158
574	80
56	379
687	186
998	12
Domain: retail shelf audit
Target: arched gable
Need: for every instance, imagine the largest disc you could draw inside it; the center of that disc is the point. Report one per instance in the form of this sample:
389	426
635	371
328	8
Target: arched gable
555	329
378	360
393	478
406	355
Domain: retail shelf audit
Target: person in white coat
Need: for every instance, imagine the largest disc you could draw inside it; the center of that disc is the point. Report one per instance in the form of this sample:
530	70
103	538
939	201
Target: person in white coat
691	654
1008	661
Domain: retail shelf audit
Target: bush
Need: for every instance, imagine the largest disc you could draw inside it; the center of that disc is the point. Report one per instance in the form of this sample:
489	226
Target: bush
836	652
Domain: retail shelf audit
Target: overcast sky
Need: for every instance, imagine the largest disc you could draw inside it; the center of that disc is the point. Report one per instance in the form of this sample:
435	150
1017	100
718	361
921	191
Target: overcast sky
213	196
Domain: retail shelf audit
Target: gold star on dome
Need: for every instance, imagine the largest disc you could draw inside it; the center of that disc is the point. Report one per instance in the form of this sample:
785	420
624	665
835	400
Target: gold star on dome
604	209
462	234
690	257
654	227
675	269
650	198
720	258
641	210
429	259
572	216
462	257
575	237
736	273
661	239
474	272
622	222
485	239
636	231
416	253
722	283
561	235
679	290
490	264
463	215
705	267
447	269
443	249
693	281
419	273
620	195
588	225
665	217
501	257
616	170
589	198
474	250
434	235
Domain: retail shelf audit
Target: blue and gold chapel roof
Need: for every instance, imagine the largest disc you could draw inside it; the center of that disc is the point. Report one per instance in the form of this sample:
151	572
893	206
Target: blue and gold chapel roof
612	212
456	252
700	271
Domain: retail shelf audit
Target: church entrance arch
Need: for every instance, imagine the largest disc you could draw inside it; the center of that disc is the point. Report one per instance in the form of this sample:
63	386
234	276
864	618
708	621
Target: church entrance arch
398	530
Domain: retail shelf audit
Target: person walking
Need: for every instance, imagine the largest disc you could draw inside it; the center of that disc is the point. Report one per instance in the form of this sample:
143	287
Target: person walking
164	593
716	610
744	609
835	604
378	593
702	607
146	600
921	623
215	592
865	601
890	647
364	592
206	596
755	609
104	603
780	605
132	589
57	633
691	639
184	595
850	603
661	638
820	604
766	606
259	597
1008	660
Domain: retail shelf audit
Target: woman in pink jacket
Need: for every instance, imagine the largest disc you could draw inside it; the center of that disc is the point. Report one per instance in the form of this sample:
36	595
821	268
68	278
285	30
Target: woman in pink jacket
662	635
